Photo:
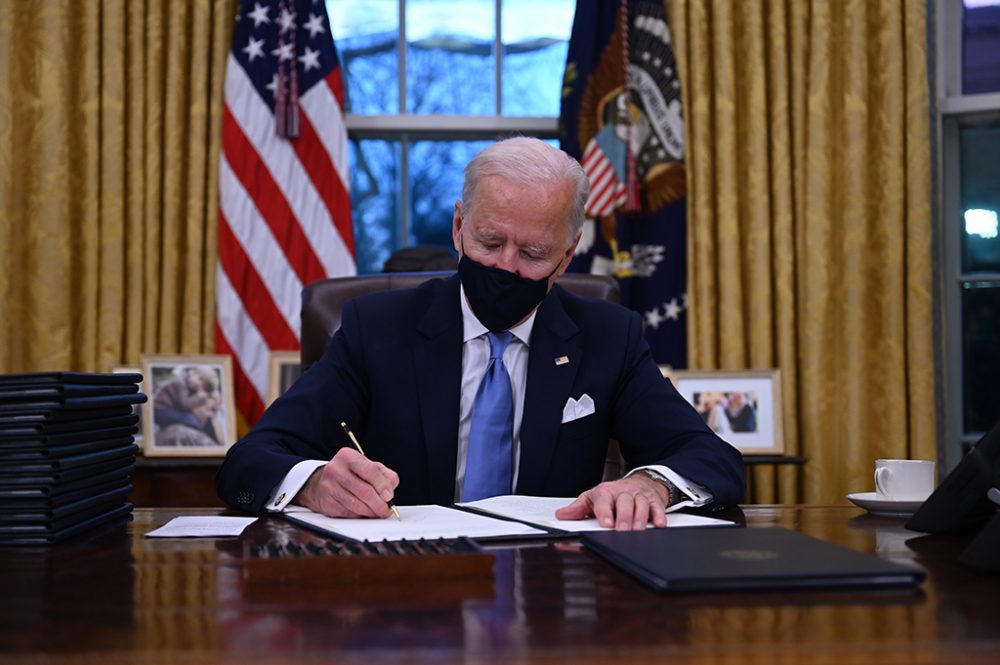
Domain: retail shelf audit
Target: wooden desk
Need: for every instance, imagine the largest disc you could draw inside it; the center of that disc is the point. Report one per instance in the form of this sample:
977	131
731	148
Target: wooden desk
115	597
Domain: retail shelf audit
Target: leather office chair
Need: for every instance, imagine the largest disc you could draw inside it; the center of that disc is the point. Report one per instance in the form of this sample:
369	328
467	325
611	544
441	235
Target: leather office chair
323	301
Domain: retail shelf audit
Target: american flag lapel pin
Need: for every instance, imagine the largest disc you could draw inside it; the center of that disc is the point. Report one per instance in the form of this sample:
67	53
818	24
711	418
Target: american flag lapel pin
562	360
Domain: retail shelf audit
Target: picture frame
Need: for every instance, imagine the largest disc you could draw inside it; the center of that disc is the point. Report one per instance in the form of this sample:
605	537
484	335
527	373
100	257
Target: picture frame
191	410
137	409
742	406
284	368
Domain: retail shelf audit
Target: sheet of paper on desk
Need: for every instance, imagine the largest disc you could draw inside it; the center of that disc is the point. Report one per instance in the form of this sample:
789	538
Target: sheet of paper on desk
541	510
202	526
415	522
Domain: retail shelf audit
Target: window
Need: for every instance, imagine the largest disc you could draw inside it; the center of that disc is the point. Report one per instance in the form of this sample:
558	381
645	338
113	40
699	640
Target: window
968	93
429	83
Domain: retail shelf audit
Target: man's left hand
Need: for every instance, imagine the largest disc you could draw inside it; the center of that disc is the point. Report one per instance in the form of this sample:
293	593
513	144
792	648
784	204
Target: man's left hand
627	504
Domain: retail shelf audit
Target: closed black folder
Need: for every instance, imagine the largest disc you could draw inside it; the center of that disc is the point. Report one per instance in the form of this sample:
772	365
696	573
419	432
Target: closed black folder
65	514
28	503
43	431
10	455
56	485
728	559
14	393
49	537
43	418
43	378
56	465
44	405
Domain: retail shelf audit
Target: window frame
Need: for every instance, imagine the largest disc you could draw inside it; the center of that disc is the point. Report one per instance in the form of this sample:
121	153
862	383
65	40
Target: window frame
951	110
407	128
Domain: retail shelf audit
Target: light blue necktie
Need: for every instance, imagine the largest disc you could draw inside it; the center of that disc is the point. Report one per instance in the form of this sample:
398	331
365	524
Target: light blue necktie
489	463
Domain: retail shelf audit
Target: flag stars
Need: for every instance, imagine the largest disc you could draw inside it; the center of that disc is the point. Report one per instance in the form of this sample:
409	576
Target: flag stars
310	59
654	318
672	309
314	25
259	14
284	52
273	85
254	49
286	20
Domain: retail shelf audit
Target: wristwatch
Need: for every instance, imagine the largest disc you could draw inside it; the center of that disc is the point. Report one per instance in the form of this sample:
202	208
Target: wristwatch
674	494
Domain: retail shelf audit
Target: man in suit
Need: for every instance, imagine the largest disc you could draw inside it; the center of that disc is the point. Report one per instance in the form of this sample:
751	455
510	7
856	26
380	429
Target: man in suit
410	372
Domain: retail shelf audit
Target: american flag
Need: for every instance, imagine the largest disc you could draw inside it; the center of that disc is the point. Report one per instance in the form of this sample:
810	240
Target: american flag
284	207
607	189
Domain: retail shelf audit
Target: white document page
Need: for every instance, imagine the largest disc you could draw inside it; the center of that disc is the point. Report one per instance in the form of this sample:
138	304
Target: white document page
415	522
541	510
202	526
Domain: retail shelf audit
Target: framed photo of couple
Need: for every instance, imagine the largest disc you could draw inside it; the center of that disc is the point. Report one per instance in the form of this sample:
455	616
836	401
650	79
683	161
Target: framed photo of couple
191	410
743	407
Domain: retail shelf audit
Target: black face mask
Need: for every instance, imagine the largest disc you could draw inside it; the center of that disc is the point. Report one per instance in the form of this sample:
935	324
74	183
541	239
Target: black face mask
499	298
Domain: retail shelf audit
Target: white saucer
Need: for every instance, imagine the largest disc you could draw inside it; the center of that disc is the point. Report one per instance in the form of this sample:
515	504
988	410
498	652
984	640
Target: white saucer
876	506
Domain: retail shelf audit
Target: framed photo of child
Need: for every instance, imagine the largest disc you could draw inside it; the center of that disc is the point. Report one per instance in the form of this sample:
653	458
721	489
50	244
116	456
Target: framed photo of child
191	410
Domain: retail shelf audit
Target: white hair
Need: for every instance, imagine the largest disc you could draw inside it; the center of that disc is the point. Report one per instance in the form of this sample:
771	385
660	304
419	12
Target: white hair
532	161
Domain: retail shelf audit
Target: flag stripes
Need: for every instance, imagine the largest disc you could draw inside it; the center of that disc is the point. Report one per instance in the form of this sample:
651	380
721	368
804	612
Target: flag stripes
284	204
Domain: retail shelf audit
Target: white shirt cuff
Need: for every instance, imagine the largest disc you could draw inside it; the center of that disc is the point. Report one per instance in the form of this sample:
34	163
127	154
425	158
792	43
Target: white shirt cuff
697	495
290	485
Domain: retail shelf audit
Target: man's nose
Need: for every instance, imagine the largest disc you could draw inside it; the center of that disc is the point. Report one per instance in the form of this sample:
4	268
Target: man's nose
507	260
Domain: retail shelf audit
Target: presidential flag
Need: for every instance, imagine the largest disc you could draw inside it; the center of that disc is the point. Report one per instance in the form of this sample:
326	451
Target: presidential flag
284	207
621	117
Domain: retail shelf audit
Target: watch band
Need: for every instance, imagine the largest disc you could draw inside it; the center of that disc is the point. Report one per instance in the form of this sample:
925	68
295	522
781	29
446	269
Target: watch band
674	494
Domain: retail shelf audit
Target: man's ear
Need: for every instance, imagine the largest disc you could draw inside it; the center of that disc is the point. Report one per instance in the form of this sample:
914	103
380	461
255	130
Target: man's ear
456	228
568	256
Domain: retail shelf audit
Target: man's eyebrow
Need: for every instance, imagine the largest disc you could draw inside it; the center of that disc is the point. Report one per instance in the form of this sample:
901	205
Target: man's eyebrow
537	249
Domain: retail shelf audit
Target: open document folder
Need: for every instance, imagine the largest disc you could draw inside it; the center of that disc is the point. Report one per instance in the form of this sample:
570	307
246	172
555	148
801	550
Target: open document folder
523	516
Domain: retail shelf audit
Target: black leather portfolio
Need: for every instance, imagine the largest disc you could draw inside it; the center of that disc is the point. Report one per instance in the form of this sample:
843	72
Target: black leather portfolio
81	479
42	419
55	465
759	559
34	536
88	378
35	430
14	503
16	515
45	404
9	392
61	445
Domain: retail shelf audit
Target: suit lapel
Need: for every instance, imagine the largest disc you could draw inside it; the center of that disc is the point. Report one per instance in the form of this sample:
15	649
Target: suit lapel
438	362
548	388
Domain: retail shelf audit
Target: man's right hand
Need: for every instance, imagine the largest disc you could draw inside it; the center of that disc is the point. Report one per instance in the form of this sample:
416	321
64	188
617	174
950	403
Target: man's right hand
349	485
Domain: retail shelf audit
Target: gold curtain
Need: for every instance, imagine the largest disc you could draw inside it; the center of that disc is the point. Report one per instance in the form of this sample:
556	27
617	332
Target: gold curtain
109	133
809	224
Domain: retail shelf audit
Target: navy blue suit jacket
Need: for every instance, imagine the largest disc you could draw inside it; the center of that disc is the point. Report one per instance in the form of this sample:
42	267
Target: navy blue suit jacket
393	373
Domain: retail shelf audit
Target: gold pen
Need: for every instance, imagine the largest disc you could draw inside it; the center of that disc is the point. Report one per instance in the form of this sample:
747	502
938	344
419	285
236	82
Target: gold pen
357	445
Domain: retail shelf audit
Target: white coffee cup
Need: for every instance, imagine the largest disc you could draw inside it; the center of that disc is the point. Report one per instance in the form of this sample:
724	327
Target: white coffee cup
903	479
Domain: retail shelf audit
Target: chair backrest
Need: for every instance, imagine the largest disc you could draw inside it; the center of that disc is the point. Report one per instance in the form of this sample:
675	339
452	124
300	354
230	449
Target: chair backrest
323	301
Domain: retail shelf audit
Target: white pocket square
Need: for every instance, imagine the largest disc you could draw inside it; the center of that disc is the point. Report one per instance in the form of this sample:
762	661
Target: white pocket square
578	408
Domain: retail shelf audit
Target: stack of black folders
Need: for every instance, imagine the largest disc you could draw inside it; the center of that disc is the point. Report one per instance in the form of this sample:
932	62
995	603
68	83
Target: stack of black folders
67	452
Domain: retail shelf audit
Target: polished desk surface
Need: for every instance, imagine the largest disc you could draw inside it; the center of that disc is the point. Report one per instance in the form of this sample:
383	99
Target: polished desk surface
116	597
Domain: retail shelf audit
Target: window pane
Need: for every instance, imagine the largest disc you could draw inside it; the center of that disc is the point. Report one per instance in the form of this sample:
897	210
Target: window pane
981	355
374	202
449	57
980	47
980	199
437	170
535	40
366	33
